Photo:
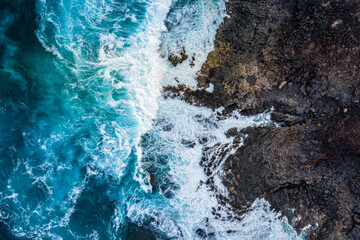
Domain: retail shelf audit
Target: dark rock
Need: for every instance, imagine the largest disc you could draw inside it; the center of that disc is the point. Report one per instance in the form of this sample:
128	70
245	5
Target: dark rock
313	168
177	59
201	233
188	143
286	118
232	132
302	58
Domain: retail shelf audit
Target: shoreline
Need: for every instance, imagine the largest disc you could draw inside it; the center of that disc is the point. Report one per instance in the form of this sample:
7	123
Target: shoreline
301	59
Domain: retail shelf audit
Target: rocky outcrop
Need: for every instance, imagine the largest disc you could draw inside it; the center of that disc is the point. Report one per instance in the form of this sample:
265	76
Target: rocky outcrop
313	168
302	58
177	59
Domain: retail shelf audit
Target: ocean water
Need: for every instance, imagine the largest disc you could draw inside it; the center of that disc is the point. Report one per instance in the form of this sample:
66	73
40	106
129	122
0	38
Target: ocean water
90	148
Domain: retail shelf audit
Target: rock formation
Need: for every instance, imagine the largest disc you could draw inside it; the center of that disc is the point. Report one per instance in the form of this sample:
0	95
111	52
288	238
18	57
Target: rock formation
302	58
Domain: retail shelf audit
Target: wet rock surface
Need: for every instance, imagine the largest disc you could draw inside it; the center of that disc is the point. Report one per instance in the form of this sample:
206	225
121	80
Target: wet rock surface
313	168
177	59
302	58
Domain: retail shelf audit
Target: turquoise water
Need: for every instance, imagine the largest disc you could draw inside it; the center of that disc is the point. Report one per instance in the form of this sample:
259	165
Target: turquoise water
89	148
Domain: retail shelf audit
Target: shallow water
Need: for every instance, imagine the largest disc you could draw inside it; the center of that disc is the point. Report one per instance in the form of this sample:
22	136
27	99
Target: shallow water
89	147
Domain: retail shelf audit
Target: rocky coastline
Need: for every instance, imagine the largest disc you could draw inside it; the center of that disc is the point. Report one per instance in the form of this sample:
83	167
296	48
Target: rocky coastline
302	58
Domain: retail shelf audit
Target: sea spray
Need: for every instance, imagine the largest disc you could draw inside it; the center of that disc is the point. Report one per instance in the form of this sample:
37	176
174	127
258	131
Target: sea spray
95	151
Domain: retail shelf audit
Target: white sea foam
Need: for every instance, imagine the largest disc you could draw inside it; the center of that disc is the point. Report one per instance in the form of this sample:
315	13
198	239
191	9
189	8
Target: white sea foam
193	26
133	72
193	204
122	77
178	132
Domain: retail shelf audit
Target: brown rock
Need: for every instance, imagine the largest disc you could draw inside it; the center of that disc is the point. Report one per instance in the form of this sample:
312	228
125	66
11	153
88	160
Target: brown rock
177	59
312	46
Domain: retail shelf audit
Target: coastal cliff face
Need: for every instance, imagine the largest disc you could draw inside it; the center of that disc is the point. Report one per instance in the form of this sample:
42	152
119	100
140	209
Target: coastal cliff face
302	58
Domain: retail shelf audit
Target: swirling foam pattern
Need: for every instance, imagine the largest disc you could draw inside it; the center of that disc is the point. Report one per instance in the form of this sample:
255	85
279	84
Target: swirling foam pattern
89	149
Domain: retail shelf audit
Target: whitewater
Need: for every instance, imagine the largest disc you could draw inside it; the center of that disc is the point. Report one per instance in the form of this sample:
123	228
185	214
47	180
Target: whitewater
91	147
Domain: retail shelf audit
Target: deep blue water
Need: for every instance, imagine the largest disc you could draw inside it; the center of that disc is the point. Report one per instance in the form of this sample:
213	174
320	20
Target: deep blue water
89	149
